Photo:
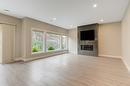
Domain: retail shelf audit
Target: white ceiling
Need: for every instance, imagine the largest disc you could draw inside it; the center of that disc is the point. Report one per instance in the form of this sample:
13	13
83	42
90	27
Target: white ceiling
68	13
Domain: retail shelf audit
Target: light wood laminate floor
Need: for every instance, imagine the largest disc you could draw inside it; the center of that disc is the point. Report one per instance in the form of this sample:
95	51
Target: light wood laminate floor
66	70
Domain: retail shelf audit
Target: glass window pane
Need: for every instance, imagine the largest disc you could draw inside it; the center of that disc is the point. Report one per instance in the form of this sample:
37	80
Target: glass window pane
52	42
64	42
37	41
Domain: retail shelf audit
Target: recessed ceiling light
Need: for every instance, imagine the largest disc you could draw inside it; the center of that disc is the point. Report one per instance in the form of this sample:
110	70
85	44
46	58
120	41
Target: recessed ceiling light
95	5
101	20
54	19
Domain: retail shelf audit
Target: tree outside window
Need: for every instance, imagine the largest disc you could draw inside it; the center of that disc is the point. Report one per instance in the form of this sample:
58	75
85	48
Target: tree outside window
37	41
52	42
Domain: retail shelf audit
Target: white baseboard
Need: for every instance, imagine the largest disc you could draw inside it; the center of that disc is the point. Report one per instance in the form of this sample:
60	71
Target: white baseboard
110	56
18	59
127	66
73	53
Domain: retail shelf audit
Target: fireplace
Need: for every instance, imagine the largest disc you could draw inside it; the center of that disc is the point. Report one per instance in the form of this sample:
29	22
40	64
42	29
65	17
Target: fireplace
88	40
87	47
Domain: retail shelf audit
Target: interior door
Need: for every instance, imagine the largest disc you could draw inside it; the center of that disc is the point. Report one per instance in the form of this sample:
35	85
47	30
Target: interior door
8	33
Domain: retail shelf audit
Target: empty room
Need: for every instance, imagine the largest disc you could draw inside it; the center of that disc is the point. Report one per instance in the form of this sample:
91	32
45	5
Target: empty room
64	43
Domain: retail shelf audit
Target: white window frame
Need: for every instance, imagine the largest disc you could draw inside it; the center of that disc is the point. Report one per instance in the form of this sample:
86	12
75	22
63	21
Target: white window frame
66	42
45	40
59	42
43	51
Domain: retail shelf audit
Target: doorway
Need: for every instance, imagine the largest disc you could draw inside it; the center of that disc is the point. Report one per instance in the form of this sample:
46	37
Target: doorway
7	42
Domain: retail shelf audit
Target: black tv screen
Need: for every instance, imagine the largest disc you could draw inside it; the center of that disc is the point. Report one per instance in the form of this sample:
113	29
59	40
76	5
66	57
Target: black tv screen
87	35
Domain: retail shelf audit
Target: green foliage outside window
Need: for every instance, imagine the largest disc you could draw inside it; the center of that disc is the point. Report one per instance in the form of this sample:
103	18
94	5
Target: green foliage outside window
37	46
51	48
34	49
52	42
37	41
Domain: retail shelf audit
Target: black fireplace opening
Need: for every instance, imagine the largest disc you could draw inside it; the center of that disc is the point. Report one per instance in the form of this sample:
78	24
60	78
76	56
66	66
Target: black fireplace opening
87	47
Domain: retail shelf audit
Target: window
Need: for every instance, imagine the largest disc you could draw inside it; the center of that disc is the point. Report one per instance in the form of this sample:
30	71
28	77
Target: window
47	42
37	41
64	42
52	42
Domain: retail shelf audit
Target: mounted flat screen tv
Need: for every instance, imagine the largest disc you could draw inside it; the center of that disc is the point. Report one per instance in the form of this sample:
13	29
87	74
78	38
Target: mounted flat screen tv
87	35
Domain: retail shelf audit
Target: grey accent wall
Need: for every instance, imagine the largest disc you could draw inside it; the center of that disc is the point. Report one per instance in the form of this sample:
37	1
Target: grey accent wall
94	43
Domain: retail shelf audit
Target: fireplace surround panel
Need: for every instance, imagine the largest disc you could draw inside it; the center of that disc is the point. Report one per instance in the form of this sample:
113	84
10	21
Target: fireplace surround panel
88	47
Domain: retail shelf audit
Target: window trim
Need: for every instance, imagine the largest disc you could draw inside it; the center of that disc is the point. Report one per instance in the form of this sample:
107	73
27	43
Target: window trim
59	42
43	50
66	42
44	41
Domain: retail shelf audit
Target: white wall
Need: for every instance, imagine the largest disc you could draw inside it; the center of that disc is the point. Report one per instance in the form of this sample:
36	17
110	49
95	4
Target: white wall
126	38
109	37
0	44
73	39
23	34
28	25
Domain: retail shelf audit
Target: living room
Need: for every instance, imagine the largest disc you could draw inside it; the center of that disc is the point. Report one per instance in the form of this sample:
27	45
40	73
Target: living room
65	43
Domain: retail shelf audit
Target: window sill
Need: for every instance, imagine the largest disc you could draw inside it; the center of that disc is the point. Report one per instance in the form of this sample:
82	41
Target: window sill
37	53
